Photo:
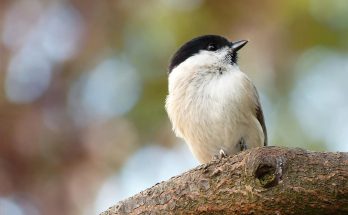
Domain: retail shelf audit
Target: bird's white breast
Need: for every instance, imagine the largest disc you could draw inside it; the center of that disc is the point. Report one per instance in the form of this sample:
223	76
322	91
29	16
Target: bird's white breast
211	108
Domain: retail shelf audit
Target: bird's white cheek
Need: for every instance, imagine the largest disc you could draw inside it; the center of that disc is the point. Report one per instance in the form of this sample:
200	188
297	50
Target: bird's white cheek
192	69
174	79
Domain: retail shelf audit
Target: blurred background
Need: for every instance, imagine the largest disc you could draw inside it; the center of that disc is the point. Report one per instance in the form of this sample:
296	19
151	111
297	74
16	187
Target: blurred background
83	85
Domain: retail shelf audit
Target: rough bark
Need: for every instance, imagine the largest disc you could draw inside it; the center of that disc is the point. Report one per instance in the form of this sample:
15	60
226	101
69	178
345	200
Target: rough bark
268	180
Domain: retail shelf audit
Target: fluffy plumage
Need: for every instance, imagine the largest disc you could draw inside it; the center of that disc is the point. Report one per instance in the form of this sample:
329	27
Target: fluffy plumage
211	103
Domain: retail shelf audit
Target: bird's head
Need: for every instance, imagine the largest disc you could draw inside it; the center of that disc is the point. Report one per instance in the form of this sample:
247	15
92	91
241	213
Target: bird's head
206	50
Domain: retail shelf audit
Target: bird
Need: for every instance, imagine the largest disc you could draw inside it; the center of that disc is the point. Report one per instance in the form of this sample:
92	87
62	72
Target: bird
211	103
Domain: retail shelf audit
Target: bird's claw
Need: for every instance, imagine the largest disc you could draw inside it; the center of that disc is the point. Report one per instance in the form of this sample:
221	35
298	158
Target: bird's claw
242	144
222	154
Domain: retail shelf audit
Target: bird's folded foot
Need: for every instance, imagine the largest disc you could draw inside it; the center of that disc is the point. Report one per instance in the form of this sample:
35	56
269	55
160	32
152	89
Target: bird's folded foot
222	154
242	144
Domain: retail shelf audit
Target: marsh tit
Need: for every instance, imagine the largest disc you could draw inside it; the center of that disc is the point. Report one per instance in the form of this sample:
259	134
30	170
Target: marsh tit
211	103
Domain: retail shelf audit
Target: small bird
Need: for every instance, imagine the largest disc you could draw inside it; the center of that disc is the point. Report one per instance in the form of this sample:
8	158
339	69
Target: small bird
211	103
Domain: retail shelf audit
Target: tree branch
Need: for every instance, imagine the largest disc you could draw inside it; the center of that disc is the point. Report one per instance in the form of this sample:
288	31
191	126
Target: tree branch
267	180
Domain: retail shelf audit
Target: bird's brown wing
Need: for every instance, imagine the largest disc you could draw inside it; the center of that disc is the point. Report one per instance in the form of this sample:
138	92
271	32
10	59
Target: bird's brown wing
260	118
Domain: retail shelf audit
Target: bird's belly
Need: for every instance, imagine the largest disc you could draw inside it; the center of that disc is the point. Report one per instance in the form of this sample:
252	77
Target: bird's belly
207	145
216	128
216	115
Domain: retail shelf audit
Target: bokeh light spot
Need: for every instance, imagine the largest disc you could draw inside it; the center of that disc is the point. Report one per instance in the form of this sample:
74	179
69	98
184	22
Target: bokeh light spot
111	89
320	99
9	207
28	76
60	30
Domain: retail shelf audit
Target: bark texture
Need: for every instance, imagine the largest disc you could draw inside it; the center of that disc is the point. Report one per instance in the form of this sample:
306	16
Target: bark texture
267	180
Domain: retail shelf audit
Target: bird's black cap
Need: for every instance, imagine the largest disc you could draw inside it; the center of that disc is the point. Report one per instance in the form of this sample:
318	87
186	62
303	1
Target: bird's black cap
205	42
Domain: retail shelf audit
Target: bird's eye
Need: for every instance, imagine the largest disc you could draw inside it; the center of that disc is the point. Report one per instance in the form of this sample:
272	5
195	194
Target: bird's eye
212	47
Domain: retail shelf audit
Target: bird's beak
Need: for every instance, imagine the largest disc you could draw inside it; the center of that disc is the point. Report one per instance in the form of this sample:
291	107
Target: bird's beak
238	45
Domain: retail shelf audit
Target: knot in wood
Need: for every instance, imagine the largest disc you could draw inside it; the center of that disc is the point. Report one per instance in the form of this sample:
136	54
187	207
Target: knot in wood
268	170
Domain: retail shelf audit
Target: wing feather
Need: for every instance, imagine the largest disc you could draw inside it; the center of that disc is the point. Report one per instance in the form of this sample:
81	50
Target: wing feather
259	116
